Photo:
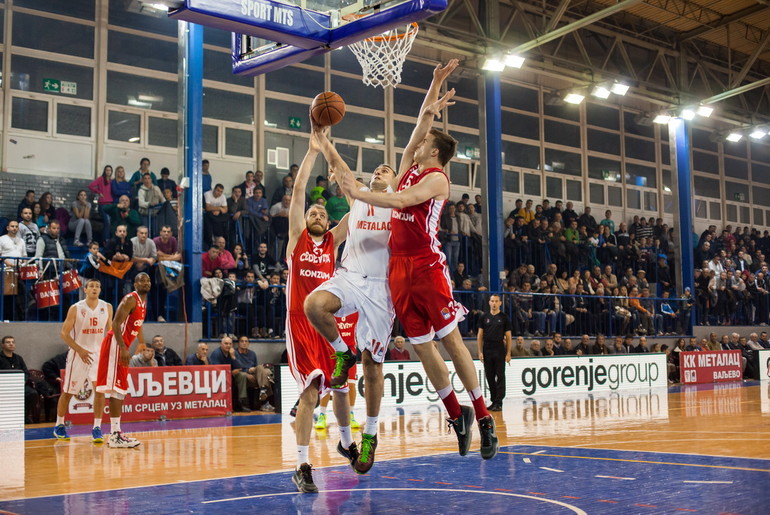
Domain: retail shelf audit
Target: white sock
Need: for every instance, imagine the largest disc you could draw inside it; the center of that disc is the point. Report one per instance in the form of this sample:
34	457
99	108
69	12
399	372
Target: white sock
371	425
114	425
346	436
302	454
475	393
339	345
59	421
444	392
323	410
97	423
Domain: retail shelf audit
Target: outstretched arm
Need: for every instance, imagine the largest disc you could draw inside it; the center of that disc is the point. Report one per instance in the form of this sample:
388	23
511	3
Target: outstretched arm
336	163
297	206
435	185
427	112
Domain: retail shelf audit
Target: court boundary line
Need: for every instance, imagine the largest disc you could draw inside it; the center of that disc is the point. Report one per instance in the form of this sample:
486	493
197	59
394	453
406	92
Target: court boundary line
629	450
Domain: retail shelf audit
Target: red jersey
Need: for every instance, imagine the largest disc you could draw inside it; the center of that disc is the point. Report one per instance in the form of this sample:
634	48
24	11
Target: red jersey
347	328
130	328
310	265
414	229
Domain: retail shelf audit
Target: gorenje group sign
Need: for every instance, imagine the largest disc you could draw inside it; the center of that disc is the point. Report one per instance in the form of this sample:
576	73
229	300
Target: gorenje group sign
407	384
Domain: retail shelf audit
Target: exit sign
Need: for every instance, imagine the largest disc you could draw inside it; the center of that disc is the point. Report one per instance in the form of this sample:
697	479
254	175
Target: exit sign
295	122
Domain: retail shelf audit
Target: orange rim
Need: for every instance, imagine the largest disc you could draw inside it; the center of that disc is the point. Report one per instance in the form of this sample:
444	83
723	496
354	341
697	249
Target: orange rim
413	27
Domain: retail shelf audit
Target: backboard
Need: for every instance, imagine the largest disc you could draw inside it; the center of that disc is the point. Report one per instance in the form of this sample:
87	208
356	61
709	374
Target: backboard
271	34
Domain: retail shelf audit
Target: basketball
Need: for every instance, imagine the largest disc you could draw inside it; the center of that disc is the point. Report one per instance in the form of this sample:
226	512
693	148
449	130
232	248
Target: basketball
327	109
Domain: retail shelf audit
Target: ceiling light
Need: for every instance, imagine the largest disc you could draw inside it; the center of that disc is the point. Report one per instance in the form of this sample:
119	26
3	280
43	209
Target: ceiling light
160	7
734	137
600	91
574	98
705	111
619	88
688	113
662	118
758	133
493	64
514	61
135	139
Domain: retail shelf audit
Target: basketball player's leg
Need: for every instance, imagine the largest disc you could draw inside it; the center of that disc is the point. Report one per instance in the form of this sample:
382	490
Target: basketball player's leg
320	422
320	307
303	426
373	391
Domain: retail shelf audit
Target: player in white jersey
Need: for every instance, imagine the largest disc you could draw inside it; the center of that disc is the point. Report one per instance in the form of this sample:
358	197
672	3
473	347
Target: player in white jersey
83	331
360	285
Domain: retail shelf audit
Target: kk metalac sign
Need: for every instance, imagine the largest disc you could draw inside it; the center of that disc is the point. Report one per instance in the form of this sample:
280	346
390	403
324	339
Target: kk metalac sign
406	382
710	366
170	392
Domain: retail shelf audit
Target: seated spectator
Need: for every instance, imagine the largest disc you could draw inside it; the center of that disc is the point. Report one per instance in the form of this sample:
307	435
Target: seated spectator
120	186
50	245
165	356
248	186
9	360
247	293
200	357
286	188
136	178
337	206
600	348
166	245
28	201
236	204
144	254
226	259
519	350
29	231
567	349
122	214
52	370
149	198
259	214
321	190
279	221
80	218
534	348
12	245
398	352
641	347
215	216
145	357
583	348
245	376
164	183
241	260
643	315
211	261
47	209
618	347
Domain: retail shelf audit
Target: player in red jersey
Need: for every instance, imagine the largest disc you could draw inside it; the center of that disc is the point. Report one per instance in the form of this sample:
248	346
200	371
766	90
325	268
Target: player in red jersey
311	255
112	377
417	273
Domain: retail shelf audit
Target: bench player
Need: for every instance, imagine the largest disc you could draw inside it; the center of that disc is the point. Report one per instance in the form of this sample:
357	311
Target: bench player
112	378
311	255
418	275
360	285
83	331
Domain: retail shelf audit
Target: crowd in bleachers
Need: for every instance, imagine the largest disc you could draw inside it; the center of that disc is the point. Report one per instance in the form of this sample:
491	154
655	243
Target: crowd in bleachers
565	271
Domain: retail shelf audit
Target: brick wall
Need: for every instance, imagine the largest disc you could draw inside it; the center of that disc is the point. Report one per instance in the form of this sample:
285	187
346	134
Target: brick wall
13	186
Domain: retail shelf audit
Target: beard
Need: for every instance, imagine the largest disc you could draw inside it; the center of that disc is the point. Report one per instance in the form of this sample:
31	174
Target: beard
316	229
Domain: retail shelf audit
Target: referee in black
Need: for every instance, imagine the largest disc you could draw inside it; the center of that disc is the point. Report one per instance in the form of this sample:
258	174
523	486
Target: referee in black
494	340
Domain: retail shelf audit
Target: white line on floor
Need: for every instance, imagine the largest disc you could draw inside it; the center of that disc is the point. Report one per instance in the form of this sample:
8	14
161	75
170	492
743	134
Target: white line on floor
552	470
616	477
527	460
710	482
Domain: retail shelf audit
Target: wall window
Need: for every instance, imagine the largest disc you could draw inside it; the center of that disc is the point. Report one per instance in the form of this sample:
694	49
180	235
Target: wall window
459	173
760	173
604	169
142	52
519	97
532	185
162	132
125	127
121	15
76	8
402	132
554	187
602	116
525	156
604	142
227	105
561	110
560	161
640	149
574	191
465	114
736	168
296	81
40	33
210	139
73	120
352	91
278	112
736	192
638	175
361	127
371	158
143	92
704	162
30	74
596	193
562	133
239	142
510	181
705	187
29	114
631	126
406	101
615	196
702	139
523	126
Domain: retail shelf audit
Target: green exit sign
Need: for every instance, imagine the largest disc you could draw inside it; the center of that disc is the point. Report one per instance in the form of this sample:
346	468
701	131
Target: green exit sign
52	85
295	122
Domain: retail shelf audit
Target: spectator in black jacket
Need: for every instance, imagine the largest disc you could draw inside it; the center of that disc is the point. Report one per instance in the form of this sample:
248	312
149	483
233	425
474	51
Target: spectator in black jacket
52	370
163	355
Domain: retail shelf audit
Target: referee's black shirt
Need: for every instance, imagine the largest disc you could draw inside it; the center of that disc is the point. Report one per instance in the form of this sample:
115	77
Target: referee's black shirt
495	327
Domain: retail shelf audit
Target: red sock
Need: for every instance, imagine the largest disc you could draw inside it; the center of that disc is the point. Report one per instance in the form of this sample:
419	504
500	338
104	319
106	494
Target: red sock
480	408
451	404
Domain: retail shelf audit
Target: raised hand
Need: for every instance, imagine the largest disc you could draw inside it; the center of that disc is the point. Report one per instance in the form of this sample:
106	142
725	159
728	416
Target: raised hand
440	73
436	107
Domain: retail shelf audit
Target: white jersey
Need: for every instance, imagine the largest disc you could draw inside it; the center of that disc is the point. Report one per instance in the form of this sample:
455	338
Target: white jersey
88	330
366	248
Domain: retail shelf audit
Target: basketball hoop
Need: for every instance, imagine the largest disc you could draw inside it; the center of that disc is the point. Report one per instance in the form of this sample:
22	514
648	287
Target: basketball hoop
382	57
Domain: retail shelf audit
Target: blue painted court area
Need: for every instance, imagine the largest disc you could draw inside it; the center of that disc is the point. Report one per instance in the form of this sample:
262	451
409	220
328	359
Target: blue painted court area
524	479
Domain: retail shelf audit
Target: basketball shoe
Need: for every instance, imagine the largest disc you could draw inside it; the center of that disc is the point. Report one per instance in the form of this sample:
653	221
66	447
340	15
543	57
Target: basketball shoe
321	422
343	361
96	435
488	437
350	454
118	440
353	422
303	479
462	427
60	432
366	454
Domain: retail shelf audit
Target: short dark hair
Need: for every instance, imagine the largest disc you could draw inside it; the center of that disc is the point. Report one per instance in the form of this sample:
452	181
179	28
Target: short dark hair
445	144
6	337
165	171
146	174
142	160
320	179
219	186
28	192
205	162
93	280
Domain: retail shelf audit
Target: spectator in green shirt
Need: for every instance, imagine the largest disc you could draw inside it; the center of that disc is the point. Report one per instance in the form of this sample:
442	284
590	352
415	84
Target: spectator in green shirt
337	206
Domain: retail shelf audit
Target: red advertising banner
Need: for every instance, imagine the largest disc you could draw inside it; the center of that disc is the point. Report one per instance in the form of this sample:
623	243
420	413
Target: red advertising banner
710	366
170	392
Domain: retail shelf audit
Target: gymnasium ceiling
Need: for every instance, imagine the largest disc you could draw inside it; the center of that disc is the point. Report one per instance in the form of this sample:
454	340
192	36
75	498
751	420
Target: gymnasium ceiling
672	51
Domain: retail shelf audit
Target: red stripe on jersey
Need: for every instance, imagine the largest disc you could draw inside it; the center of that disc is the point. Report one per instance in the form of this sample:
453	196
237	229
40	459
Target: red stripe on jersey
414	229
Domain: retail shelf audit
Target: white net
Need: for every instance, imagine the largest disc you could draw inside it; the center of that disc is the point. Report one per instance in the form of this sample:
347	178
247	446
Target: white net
382	57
